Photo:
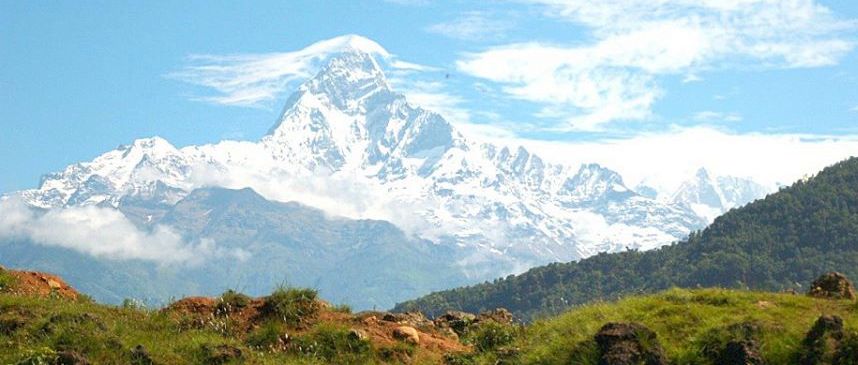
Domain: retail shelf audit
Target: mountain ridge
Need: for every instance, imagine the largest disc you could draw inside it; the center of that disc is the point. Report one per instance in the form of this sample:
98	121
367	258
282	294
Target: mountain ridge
780	242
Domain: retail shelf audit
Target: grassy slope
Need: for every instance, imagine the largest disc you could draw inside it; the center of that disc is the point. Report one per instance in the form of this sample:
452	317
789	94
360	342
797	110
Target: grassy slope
684	320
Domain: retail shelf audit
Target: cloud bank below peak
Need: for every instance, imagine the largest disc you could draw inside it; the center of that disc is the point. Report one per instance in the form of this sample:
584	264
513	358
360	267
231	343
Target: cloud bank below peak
105	233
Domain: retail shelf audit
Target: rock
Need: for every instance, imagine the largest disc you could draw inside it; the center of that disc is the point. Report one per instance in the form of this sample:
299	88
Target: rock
499	315
629	344
370	321
822	341
458	321
740	352
407	334
139	356
833	285
413	319
70	358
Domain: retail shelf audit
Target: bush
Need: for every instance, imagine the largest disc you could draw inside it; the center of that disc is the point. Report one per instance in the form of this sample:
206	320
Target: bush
489	336
334	345
231	301
295	306
7	280
270	336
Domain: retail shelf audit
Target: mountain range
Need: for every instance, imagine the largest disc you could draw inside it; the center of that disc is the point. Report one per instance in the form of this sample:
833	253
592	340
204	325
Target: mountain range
778	243
355	180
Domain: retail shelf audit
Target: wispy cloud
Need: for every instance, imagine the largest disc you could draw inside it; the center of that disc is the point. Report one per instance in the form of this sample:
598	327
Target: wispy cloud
712	116
471	26
254	79
104	232
614	76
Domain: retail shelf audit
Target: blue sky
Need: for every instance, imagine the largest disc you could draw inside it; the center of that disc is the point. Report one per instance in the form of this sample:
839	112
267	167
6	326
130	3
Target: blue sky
77	80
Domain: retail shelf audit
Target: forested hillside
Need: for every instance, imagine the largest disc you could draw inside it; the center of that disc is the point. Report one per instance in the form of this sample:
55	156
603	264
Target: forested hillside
780	242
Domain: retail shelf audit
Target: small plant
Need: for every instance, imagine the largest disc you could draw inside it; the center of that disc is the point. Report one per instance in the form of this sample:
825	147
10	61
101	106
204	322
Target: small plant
342	308
270	336
295	306
231	301
489	336
40	356
131	303
7	280
334	345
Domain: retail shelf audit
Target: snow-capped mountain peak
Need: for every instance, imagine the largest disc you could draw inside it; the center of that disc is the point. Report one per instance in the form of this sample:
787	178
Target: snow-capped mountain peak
506	208
710	196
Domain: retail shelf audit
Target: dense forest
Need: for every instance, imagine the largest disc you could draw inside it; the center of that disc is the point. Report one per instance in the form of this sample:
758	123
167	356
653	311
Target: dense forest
781	242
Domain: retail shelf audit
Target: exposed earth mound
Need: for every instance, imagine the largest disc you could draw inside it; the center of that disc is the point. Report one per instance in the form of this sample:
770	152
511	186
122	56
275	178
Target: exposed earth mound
35	283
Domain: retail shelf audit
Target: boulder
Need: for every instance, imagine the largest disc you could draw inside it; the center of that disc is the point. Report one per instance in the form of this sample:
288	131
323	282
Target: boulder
833	285
407	334
629	344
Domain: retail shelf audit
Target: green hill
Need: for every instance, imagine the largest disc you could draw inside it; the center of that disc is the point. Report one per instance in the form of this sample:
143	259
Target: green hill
780	242
691	325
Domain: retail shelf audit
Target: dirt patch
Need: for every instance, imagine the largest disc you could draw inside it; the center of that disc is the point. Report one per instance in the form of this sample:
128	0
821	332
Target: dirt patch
32	283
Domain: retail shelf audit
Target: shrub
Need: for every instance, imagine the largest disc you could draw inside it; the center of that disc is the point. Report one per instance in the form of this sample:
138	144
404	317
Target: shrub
489	336
270	336
334	345
7	280
399	353
294	306
231	301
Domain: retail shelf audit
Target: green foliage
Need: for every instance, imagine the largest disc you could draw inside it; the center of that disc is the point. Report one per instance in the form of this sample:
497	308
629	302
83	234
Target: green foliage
783	241
334	345
231	301
295	306
490	336
39	356
7	280
269	336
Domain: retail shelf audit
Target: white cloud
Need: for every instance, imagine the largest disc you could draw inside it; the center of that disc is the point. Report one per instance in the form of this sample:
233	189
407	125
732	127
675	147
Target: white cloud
253	79
103	232
613	76
712	116
666	159
471	26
